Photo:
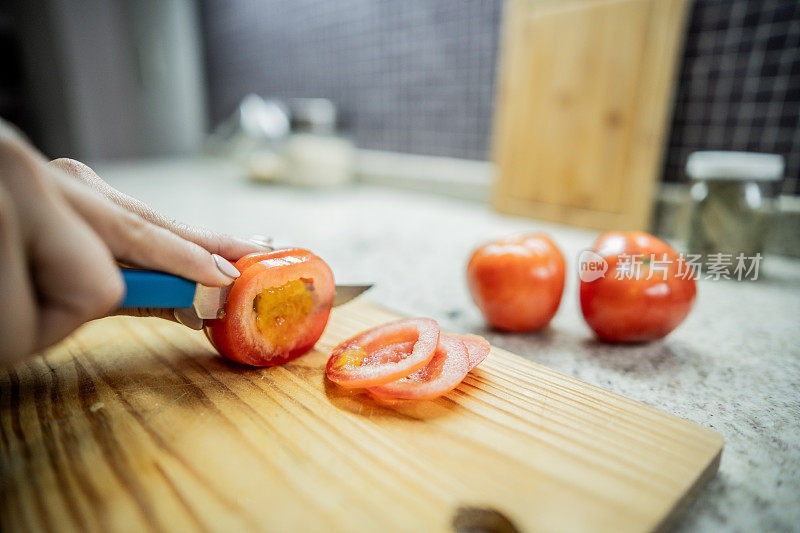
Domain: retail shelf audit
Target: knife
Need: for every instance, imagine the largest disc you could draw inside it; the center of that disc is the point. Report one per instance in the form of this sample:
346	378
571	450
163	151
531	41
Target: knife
154	289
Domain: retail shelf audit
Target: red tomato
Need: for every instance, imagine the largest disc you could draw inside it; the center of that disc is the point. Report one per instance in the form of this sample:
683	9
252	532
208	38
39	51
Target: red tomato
384	354
444	372
630	307
477	348
517	282
277	308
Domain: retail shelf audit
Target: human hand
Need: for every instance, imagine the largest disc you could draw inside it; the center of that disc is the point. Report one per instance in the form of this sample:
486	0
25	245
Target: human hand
216	243
61	238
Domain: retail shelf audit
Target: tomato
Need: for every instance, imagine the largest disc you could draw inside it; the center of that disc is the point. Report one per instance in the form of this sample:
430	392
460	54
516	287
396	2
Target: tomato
277	308
517	282
622	307
444	372
384	354
477	348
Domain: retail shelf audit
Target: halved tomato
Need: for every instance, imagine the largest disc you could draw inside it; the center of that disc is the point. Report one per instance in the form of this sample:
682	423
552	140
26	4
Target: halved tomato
384	354
447	368
477	348
277	308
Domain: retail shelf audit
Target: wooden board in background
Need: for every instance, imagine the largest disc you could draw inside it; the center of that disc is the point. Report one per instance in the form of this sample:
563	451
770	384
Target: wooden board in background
584	96
135	424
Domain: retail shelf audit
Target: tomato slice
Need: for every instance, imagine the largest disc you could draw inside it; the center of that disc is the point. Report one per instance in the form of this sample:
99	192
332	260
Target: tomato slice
384	354
276	310
447	368
477	348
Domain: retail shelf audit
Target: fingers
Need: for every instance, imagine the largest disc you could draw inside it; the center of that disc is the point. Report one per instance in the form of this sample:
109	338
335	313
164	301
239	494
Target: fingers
230	247
70	274
55	270
59	241
76	277
18	323
85	292
135	241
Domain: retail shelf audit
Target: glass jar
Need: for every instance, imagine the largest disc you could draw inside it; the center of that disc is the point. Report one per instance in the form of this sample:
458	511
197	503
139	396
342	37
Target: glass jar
316	154
733	199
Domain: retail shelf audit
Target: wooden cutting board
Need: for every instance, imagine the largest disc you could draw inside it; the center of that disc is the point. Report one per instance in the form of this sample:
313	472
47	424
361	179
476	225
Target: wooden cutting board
135	424
583	104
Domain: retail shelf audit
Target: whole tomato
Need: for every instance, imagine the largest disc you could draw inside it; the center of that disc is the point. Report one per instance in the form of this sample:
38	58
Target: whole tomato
517	282
645	293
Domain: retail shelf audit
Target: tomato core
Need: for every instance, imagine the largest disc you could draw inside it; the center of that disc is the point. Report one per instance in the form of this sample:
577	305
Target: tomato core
282	310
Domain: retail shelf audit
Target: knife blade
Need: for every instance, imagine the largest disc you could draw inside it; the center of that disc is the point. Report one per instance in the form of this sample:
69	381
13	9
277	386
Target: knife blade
345	293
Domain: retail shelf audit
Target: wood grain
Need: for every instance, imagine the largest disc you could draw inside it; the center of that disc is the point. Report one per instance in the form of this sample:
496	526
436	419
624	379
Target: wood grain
584	94
135	424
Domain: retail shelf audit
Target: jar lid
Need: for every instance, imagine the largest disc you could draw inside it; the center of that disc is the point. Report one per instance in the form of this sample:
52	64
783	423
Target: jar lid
744	166
314	115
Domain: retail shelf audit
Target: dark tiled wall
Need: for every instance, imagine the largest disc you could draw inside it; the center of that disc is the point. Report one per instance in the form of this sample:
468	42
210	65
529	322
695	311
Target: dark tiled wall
418	75
740	84
407	75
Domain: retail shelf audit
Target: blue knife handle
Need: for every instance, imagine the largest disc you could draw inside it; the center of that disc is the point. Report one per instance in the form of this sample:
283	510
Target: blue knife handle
149	288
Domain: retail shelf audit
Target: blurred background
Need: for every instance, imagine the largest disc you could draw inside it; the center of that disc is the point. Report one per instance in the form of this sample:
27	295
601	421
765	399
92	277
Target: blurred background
433	95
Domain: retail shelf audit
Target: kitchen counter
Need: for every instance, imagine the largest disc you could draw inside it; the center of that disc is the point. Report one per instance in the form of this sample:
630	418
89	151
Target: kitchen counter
733	366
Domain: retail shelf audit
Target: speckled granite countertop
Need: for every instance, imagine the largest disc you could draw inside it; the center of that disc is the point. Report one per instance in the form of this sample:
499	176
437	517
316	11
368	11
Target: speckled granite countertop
733	366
